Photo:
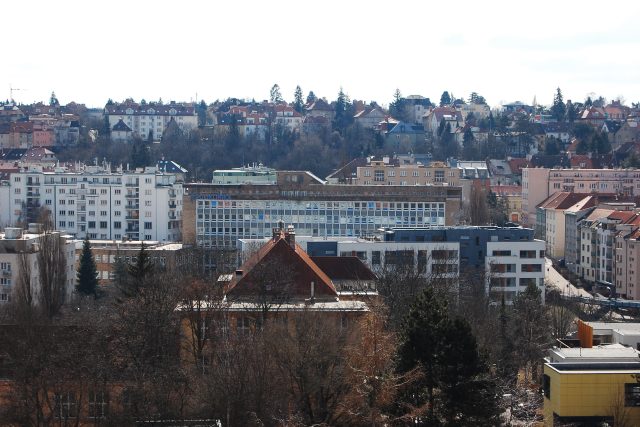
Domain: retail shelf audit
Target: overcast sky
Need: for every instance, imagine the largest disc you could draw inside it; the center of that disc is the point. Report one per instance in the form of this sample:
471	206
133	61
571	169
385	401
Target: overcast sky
89	51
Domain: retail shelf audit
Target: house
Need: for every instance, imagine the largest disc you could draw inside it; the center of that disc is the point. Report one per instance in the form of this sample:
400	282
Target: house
280	278
595	116
287	117
512	197
120	132
403	137
558	130
628	132
369	117
319	108
449	115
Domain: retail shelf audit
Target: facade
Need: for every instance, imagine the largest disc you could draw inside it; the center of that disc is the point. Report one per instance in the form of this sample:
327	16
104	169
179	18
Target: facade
217	215
106	253
13	243
149	121
379	172
510	257
596	382
427	258
540	183
94	201
254	174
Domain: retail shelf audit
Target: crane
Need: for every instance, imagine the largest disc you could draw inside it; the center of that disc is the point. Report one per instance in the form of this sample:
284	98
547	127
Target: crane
11	90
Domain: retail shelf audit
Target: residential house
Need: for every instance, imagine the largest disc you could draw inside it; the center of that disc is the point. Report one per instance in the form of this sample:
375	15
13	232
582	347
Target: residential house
369	117
512	197
447	115
120	132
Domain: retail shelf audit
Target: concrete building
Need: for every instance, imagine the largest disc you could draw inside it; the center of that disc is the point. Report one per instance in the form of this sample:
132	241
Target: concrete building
217	215
540	183
15	242
96	201
106	253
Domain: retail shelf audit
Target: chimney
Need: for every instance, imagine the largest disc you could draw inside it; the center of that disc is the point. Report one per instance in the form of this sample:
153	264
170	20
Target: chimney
313	291
290	236
239	273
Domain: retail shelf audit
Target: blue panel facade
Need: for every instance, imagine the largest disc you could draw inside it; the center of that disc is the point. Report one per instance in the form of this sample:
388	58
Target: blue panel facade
327	248
473	240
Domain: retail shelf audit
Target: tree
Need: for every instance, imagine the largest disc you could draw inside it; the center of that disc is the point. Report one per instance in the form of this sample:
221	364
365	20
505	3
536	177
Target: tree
551	146
137	274
298	102
558	109
469	151
344	111
52	269
202	113
474	98
445	99
531	328
274	95
87	277
454	388
311	97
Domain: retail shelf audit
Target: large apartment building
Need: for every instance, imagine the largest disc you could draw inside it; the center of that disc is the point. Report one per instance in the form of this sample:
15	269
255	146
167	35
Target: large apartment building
217	215
540	183
96	201
149	121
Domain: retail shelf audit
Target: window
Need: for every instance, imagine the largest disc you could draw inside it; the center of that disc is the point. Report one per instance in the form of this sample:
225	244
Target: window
546	386
243	325
91	224
117	225
98	401
147	202
632	394
147	192
62	224
103	224
148	225
66	405
117	191
378	176
375	258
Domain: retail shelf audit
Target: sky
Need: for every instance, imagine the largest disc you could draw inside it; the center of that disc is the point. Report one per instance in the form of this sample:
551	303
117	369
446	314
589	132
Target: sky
185	50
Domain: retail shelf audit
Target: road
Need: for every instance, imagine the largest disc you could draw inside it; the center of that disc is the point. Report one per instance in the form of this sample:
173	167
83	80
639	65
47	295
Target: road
554	279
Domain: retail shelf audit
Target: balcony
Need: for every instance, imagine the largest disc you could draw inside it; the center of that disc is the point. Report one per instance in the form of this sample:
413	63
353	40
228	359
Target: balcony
131	184
172	205
132	207
132	217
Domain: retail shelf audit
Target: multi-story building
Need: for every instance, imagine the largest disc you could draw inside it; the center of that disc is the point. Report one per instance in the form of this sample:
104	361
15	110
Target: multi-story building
15	242
96	201
149	121
219	214
540	183
106	252
510	257
379	172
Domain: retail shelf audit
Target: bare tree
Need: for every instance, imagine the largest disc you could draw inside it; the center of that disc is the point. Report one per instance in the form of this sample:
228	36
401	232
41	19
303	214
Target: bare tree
52	271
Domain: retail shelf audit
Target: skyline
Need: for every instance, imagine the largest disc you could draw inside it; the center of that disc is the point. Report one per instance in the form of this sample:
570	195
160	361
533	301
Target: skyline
118	50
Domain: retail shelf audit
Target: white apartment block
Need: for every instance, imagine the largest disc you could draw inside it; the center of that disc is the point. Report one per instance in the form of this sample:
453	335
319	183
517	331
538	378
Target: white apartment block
540	183
95	201
512	266
14	242
148	121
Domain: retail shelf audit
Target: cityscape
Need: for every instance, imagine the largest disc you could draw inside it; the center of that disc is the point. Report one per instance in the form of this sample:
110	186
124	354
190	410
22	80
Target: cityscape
386	222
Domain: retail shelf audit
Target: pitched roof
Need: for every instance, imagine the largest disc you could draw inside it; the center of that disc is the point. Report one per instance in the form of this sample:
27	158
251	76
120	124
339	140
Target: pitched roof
562	200
121	126
517	164
282	268
343	267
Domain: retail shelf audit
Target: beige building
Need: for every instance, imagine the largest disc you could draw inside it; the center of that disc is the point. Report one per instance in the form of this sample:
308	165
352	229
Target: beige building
15	242
379	172
540	183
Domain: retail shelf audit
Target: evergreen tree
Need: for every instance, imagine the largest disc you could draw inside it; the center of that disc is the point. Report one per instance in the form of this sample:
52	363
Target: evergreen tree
445	99
551	146
311	97
344	112
87	275
468	145
558	109
507	367
455	387
298	103
572	112
138	273
275	96
202	113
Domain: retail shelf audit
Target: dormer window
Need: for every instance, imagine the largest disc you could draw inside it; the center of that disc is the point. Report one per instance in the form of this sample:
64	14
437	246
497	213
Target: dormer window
173	111
129	111
151	111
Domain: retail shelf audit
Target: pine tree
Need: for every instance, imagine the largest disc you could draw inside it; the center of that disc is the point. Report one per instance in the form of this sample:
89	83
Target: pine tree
87	275
311	97
445	99
138	273
558	109
275	95
455	386
298	103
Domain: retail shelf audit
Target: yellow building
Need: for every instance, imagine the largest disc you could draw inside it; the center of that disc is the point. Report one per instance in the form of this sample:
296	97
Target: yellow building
589	385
